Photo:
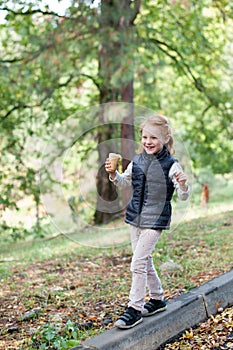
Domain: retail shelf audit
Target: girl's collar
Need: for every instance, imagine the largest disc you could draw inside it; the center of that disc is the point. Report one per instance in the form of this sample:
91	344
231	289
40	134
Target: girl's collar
158	155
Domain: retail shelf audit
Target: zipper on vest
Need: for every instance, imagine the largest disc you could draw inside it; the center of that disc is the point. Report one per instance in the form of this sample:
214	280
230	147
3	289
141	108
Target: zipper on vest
143	191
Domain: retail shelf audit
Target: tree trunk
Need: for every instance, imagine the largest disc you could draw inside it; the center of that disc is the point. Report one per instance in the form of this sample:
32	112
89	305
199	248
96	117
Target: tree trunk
127	138
115	60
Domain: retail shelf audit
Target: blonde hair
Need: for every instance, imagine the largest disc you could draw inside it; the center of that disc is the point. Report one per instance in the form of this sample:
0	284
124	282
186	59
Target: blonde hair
162	123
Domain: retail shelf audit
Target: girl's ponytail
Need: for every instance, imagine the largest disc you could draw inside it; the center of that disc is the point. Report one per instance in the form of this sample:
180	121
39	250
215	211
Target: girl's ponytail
170	144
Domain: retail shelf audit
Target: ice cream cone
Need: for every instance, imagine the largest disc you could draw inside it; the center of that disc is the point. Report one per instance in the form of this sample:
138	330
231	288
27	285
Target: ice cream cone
114	159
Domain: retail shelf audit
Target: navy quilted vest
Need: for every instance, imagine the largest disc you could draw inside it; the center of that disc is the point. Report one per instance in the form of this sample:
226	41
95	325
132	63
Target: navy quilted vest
150	205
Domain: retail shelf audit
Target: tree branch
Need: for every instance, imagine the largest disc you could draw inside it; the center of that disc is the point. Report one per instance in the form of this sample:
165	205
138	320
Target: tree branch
96	83
47	96
31	12
17	107
184	67
31	57
136	10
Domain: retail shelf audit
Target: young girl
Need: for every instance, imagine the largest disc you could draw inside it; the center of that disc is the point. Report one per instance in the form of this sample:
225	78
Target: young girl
154	175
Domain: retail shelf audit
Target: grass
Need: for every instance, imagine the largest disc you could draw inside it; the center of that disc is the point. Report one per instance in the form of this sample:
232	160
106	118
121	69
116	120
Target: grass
89	286
75	286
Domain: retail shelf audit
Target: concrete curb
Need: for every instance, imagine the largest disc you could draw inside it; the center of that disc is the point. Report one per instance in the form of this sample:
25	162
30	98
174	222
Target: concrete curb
182	313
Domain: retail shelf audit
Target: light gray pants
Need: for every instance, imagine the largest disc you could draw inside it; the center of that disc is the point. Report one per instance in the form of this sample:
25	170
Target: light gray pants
142	267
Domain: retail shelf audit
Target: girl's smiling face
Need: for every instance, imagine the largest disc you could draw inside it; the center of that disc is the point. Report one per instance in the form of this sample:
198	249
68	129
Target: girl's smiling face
151	140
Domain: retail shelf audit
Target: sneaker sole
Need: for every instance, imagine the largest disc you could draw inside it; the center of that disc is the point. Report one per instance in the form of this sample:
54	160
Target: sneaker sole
154	312
129	326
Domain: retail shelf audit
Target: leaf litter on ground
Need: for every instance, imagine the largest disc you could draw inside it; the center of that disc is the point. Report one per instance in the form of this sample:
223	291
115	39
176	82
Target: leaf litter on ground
216	333
90	287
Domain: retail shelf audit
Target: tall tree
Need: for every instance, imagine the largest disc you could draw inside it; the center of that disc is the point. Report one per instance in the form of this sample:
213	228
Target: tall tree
173	56
116	73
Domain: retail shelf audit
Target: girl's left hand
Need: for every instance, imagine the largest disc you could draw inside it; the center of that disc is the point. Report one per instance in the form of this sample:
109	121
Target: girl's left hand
181	178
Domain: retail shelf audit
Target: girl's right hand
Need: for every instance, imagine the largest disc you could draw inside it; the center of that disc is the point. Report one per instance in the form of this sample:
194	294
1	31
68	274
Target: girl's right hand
109	170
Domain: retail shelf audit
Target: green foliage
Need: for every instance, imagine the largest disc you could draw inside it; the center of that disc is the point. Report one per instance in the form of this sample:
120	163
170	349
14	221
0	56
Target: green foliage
54	337
18	233
184	68
12	233
178	53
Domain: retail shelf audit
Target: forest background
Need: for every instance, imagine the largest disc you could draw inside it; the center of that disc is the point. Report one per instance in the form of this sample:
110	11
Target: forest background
75	82
77	78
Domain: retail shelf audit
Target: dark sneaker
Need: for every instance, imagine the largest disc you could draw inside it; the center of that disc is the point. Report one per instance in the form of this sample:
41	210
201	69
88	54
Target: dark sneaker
153	306
129	318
